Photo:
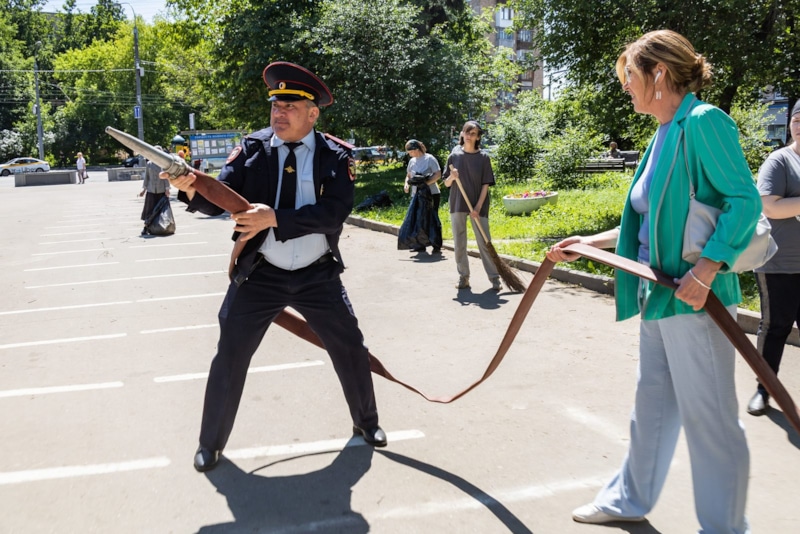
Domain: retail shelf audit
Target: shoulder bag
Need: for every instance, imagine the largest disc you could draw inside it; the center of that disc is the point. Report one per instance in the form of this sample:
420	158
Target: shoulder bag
701	222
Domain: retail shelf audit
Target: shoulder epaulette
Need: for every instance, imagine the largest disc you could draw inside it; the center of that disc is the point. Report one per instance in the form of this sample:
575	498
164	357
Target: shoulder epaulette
341	142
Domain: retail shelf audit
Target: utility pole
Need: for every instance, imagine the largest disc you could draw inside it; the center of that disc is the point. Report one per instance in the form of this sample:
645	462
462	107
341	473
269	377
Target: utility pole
138	112
140	115
39	132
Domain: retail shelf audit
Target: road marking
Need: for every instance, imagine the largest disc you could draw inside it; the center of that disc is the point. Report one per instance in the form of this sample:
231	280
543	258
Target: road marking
179	328
315	446
72	251
79	306
71	266
185	257
63	340
473	502
75	233
71	241
61	227
58	389
203	295
263	369
128	279
171	244
59	308
35	475
597	424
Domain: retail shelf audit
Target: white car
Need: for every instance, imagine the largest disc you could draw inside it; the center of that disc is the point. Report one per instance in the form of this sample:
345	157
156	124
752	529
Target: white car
23	165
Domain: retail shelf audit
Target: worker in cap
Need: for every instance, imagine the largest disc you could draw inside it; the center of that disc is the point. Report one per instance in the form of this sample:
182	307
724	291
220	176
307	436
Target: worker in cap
299	184
778	280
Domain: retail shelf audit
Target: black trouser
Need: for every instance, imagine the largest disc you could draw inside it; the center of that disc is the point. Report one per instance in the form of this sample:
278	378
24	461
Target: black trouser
780	309
317	293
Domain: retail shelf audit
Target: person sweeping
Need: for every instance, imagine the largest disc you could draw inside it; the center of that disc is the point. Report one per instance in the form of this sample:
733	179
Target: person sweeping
471	170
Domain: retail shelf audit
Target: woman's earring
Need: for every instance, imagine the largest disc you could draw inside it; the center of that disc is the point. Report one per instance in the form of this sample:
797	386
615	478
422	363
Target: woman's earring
658	95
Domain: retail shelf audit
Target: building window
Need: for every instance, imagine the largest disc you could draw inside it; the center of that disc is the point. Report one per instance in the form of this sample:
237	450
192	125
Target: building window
526	36
506	13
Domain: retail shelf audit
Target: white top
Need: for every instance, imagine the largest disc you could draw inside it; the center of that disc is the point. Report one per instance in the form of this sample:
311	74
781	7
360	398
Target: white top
302	251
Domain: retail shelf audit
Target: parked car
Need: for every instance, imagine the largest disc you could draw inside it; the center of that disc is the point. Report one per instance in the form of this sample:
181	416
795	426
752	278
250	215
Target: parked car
368	154
132	161
18	165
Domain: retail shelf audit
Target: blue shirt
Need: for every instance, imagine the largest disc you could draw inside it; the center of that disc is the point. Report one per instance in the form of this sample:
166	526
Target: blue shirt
299	252
639	194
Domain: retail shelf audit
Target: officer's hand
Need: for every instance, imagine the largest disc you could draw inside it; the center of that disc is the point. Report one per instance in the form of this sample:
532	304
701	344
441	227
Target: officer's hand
259	217
183	182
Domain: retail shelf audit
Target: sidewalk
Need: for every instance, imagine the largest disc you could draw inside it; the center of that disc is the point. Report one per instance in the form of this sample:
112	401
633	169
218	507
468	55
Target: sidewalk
748	320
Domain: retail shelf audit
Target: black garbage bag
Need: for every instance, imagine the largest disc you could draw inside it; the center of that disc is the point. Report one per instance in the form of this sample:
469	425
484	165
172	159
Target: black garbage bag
161	221
421	226
419	179
381	200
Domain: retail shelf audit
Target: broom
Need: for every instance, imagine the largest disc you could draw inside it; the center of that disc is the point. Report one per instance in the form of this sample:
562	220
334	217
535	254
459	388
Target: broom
508	275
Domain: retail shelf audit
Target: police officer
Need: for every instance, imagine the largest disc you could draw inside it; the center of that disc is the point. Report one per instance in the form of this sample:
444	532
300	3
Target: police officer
300	186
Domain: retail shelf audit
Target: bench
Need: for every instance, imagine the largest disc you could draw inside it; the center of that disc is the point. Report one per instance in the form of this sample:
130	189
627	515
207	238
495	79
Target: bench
126	174
631	158
45	178
603	165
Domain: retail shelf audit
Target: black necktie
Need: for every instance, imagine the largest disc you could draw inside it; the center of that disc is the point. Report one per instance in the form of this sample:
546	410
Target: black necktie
289	184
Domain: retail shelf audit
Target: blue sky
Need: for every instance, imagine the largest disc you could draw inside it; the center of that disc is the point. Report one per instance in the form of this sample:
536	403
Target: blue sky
146	9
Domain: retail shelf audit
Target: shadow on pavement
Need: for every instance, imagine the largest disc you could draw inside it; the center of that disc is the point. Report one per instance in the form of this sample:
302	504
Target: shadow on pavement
311	502
503	514
777	417
488	300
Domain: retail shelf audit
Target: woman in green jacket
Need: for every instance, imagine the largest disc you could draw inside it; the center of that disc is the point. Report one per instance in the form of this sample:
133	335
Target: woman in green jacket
686	364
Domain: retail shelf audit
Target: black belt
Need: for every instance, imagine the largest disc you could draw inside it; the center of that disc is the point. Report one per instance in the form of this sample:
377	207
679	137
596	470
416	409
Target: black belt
325	258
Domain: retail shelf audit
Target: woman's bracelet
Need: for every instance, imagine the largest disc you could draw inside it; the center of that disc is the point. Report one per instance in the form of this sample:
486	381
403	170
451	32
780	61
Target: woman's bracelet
698	280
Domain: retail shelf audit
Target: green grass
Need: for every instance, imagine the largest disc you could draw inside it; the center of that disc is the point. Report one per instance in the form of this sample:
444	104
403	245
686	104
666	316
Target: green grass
586	211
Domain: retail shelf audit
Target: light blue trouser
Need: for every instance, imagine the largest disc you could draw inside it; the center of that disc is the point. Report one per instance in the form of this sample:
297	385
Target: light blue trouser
686	378
458	222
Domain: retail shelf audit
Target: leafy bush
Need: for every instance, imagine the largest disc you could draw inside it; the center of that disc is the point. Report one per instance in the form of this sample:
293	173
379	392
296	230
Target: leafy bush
544	141
752	122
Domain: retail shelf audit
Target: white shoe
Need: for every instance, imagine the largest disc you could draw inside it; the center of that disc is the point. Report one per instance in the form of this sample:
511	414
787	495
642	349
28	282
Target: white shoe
589	513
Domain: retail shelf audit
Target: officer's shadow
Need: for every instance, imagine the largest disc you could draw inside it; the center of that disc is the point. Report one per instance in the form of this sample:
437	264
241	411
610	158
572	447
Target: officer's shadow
311	502
488	300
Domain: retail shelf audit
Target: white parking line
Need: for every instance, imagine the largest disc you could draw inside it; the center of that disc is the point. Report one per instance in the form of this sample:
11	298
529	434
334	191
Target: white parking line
59	308
179	328
58	389
171	244
63	340
263	369
72	251
62	226
599	425
315	446
473	502
185	257
34	475
71	241
75	233
203	295
128	279
72	266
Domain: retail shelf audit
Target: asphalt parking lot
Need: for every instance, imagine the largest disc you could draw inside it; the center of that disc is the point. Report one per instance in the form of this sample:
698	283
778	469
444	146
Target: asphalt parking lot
106	336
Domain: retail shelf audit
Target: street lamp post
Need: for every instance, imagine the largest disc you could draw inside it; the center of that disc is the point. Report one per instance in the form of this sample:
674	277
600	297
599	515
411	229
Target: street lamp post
39	132
138	111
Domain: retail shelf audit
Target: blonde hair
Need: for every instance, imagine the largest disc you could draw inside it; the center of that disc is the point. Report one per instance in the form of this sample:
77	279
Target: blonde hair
686	70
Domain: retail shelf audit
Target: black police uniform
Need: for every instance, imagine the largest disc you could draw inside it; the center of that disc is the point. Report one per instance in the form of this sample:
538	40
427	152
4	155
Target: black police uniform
260	291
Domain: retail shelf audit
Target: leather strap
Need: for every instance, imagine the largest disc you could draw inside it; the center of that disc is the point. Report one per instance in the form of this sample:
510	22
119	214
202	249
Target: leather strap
716	310
228	199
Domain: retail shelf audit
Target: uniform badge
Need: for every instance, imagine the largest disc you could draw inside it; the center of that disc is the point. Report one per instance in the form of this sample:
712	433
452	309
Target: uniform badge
234	154
351	169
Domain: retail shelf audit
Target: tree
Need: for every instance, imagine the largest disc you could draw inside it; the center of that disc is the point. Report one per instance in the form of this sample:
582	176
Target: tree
750	43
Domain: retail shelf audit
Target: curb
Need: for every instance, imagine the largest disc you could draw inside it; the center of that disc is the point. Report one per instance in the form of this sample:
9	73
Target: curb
748	320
